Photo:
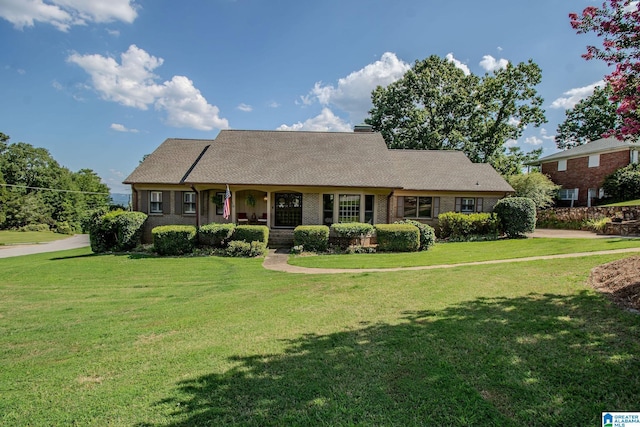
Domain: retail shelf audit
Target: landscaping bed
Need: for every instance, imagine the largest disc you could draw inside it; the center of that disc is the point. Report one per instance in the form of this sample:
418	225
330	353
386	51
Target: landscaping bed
619	280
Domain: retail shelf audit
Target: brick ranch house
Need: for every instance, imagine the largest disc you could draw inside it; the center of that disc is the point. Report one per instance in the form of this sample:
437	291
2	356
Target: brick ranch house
581	170
285	179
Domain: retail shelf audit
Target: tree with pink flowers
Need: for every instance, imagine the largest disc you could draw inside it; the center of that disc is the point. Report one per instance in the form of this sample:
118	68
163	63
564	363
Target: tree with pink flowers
618	23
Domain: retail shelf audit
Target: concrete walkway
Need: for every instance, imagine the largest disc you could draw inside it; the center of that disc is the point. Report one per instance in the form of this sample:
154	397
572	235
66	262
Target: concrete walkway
277	259
74	242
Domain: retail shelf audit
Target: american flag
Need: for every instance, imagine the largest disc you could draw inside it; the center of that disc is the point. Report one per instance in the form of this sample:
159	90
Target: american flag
226	211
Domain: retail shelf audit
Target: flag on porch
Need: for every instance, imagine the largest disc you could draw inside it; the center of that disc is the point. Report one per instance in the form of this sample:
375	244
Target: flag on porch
226	211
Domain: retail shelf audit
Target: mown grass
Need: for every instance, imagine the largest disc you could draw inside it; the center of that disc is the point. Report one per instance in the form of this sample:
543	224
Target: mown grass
627	203
9	237
455	253
144	341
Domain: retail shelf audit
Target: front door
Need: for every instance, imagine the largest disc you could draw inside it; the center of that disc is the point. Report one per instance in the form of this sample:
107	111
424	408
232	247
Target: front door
288	209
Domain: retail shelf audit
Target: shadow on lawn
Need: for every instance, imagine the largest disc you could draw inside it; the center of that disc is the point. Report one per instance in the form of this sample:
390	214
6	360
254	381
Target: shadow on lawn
535	360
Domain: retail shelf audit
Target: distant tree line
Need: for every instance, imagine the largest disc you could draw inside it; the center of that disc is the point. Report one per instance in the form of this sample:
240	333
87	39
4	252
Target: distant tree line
36	192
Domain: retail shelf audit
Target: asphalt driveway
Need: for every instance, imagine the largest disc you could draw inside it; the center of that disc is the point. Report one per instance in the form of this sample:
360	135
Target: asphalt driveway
74	242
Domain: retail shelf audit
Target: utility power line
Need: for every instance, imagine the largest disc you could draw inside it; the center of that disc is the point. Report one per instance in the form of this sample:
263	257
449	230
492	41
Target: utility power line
53	189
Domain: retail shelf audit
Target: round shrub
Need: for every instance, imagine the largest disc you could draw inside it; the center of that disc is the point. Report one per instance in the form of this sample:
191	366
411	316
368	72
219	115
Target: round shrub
427	233
174	239
313	238
240	248
216	235
517	216
398	237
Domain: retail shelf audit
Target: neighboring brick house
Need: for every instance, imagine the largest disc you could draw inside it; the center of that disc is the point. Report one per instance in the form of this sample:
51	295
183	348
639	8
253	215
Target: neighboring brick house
581	170
284	179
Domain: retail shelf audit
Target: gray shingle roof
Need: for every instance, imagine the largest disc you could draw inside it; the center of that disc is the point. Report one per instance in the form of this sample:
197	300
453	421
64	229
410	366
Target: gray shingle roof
329	159
445	171
594	147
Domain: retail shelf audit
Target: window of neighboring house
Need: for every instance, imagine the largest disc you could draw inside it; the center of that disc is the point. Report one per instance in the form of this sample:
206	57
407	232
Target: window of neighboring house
467	205
594	161
189	202
634	156
568	194
349	208
155	202
417	207
562	165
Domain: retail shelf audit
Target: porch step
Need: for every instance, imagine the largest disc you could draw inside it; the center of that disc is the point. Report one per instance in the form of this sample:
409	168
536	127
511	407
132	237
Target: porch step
280	238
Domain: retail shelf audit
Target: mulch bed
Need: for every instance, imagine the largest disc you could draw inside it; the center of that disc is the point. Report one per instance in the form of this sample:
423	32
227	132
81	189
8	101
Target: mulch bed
620	281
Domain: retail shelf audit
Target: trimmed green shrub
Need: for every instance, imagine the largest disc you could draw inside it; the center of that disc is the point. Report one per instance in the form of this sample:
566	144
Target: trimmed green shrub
427	233
251	233
240	248
398	237
455	225
350	233
114	231
215	235
313	238
517	216
63	227
174	239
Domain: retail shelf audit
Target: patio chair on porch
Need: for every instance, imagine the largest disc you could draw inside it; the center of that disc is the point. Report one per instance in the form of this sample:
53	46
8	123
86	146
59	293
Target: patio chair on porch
242	218
263	219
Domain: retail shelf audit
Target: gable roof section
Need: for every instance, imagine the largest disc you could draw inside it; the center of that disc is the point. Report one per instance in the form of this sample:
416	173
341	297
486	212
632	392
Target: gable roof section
445	171
598	146
169	163
275	158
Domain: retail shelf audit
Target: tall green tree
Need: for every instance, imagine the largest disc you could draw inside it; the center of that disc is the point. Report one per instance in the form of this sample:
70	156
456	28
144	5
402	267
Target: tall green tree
535	186
590	119
435	105
513	160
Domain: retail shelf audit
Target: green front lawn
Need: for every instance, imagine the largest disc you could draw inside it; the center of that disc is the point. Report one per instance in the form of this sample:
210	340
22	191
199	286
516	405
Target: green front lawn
456	253
145	341
8	237
627	203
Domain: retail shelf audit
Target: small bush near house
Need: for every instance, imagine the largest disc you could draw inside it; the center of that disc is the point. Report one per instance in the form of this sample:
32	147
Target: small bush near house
215	235
623	184
174	239
427	233
350	233
313	238
115	230
398	238
459	226
251	233
240	248
517	216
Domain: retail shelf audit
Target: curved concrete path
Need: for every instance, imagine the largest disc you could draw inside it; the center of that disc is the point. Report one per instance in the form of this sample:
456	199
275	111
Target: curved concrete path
73	242
277	260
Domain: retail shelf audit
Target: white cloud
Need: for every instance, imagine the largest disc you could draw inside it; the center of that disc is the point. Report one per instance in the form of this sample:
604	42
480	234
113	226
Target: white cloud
458	64
57	85
326	121
545	135
489	63
244	107
132	83
121	128
533	140
573	96
353	92
274	104
511	143
63	14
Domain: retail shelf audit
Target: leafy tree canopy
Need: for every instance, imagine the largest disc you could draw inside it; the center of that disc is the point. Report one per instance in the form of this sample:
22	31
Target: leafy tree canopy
436	106
535	186
590	119
617	23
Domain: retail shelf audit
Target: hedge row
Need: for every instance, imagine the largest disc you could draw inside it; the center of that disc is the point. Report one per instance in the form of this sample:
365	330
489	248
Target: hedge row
453	225
242	240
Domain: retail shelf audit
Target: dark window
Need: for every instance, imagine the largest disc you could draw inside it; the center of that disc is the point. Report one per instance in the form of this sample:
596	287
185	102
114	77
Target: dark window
327	209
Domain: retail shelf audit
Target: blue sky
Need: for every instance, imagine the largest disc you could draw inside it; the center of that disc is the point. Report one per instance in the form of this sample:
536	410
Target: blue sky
100	83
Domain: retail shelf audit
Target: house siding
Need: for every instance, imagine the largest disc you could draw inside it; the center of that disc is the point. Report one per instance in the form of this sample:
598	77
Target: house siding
579	175
447	203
